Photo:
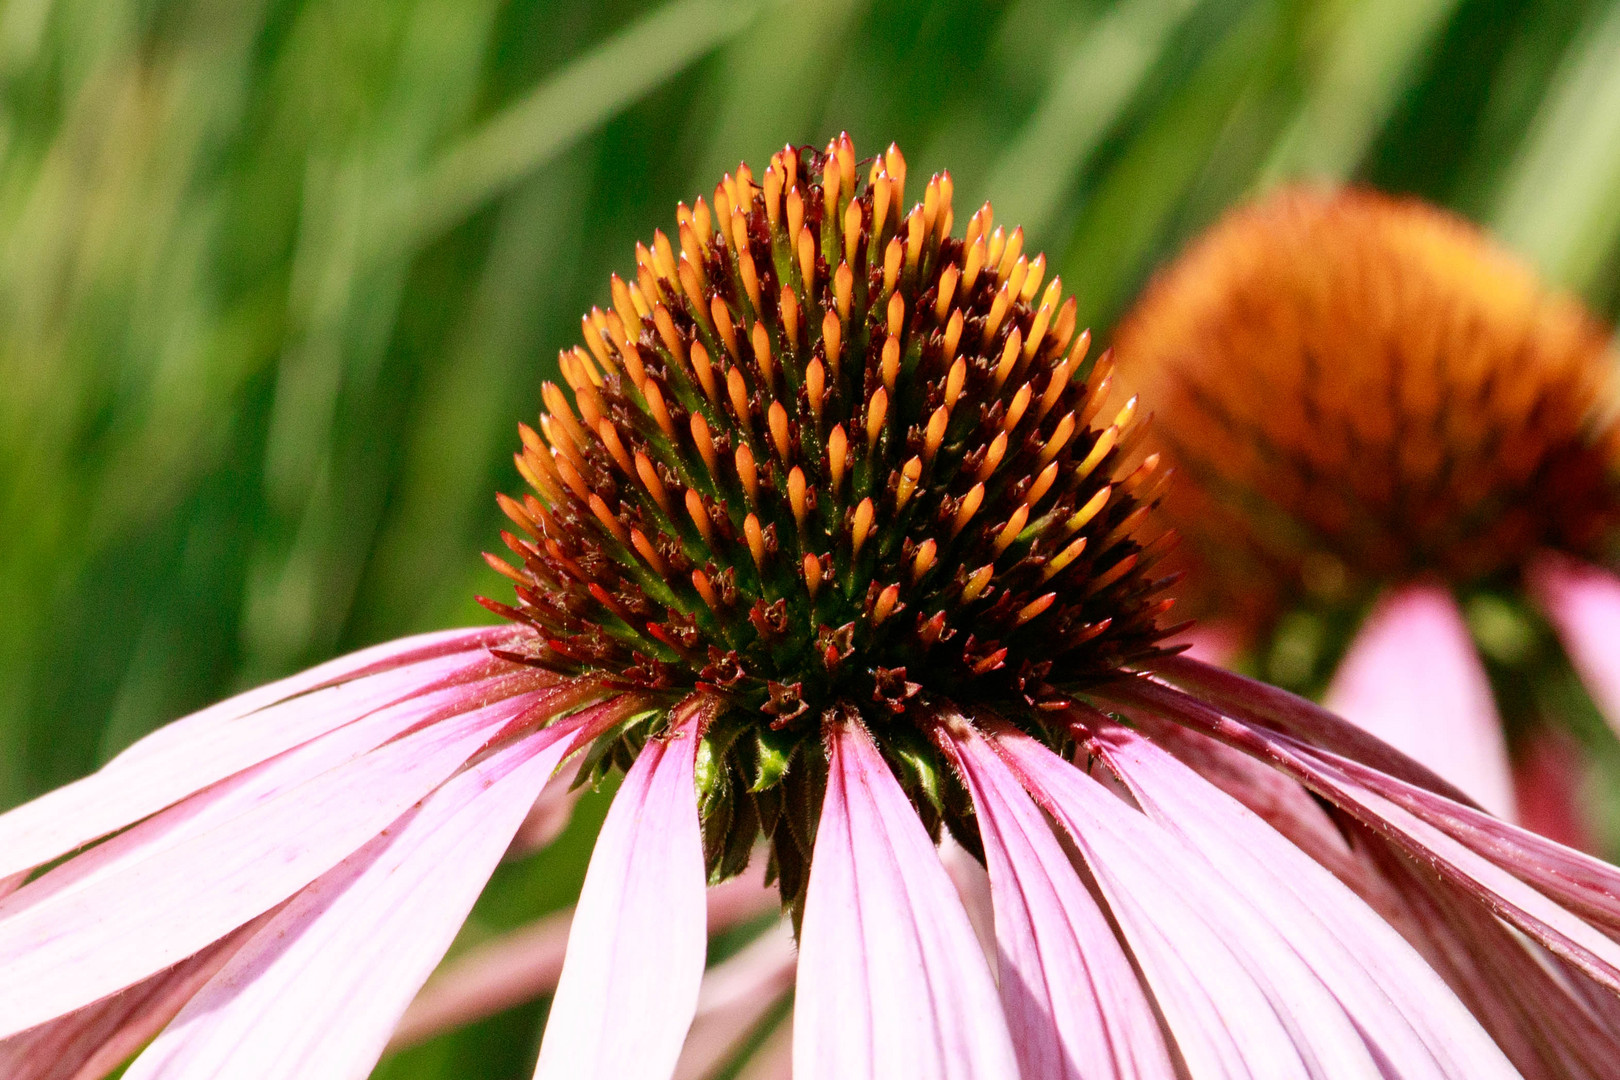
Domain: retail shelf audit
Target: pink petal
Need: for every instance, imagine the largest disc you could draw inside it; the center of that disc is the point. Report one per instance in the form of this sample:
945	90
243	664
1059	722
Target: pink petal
1413	679
196	751
892	982
1073	1002
736	996
524	964
1583	603
319	989
629	985
1238	999
93	1041
148	913
1397	1001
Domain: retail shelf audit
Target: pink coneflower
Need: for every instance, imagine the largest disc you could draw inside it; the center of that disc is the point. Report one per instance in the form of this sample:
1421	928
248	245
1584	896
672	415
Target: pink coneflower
831	549
1392	439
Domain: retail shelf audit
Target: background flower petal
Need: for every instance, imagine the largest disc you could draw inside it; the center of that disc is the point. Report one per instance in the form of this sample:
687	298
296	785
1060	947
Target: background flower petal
1413	678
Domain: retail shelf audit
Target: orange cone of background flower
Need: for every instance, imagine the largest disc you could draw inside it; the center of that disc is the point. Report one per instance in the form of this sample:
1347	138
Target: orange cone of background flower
1366	399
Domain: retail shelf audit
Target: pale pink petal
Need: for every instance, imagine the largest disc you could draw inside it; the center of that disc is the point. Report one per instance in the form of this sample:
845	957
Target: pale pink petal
228	799
318	990
892	982
1583	603
1413	678
525	963
1074	1004
737	995
629	985
1399	1004
82	943
1238	999
91	1042
204	748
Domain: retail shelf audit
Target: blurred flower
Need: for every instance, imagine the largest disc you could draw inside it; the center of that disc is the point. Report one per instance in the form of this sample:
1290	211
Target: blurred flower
826	551
1375	413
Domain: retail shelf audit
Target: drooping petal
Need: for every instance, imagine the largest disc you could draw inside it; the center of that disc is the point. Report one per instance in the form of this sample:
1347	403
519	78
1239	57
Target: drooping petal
319	989
1399	1004
737	995
120	927
1583	604
1534	1007
1413	678
1073	1002
892	982
1238	999
1591	887
206	747
91	1042
629	984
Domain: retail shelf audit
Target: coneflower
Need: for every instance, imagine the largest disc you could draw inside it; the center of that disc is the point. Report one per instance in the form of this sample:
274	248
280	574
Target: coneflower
1372	407
831	546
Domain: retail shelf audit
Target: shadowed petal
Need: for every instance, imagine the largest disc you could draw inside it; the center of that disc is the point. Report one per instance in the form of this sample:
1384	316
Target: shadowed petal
319	989
82	943
191	753
1074	1005
1583	604
629	984
737	994
525	963
1238	999
1399	1004
892	983
1413	679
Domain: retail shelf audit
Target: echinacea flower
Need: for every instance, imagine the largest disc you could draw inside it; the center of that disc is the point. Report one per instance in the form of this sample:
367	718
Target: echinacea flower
1378	414
832	549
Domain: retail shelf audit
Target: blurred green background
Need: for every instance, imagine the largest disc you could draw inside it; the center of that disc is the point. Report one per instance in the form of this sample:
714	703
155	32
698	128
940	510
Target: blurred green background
279	277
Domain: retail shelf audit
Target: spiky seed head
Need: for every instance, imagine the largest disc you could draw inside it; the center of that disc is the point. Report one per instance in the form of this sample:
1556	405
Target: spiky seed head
1359	389
819	455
